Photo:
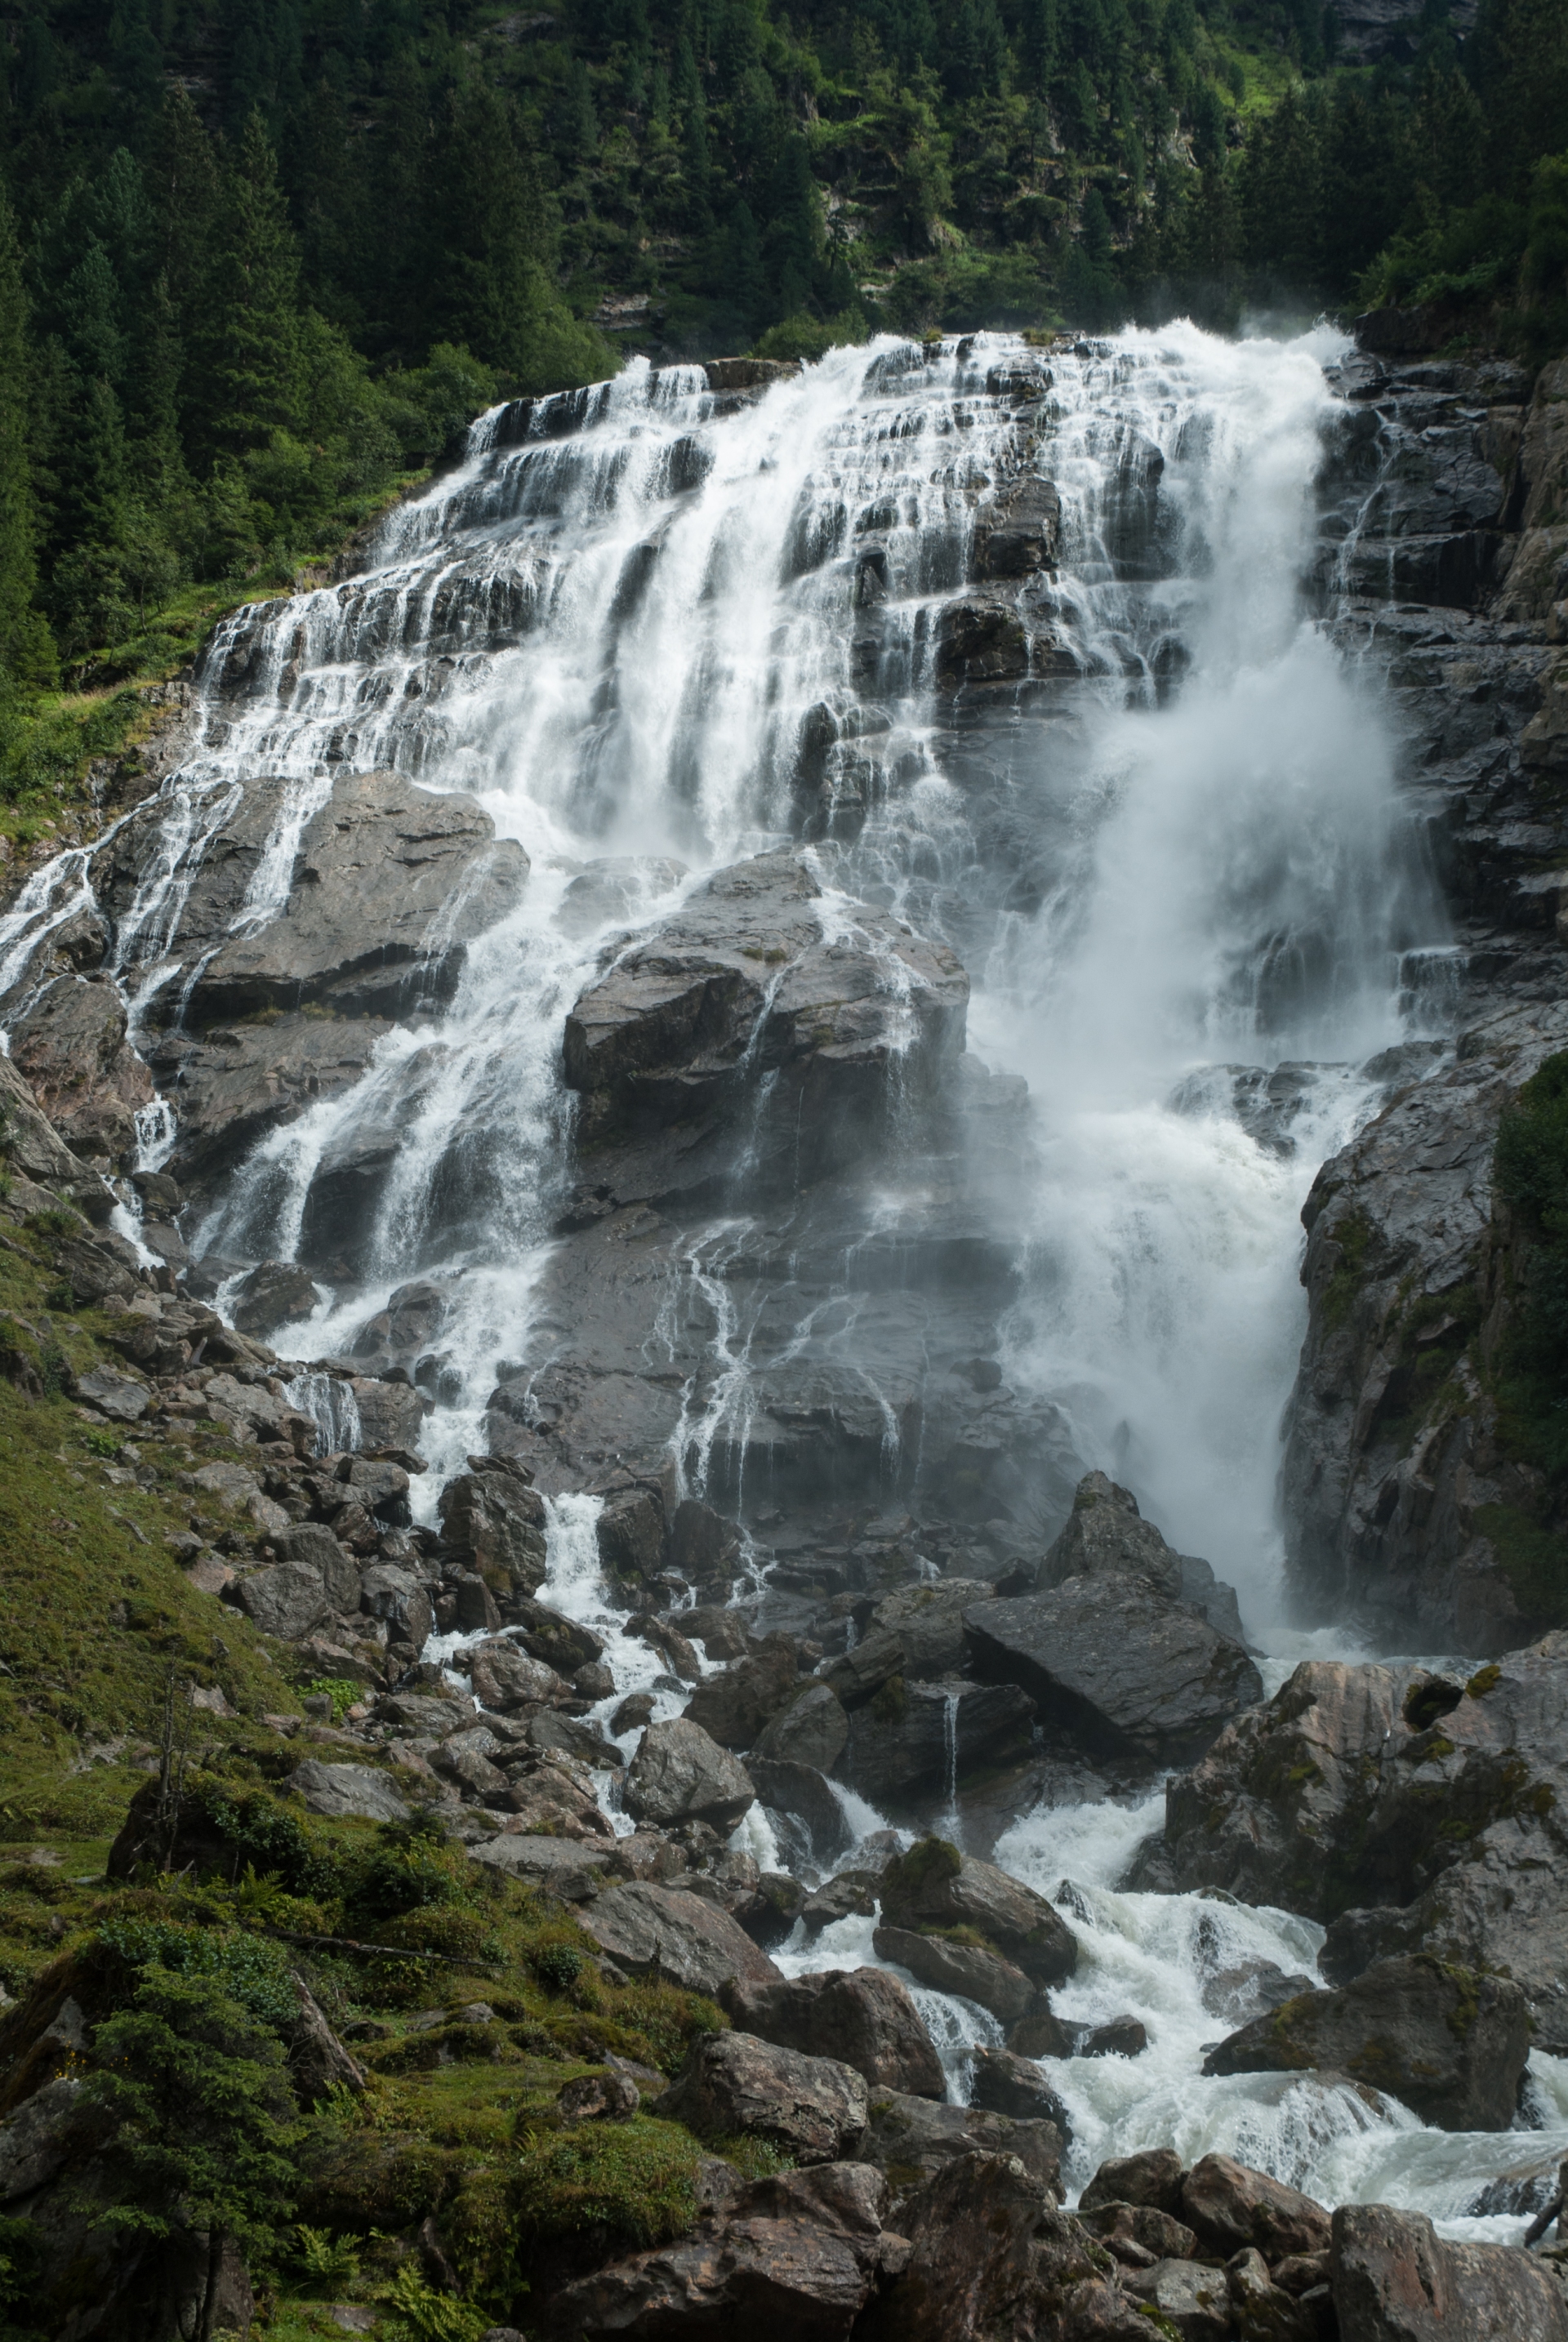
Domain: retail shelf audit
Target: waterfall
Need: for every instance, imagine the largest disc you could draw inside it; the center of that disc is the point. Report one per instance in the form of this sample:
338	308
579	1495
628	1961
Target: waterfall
652	632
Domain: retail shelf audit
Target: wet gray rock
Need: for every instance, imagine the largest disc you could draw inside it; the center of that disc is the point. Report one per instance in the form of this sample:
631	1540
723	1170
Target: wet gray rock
71	1047
680	1775
813	2109
665	1932
913	1735
1337	1798
274	1297
1114	1663
340	1790
736	1705
744	987
970	1970
934	1886
1017	529
615	887
233	1082
493	1522
1106	1536
802	1794
1450	2044
1395	2279
505	1678
390	1592
810	1730
1007	2084
389	887
862	2017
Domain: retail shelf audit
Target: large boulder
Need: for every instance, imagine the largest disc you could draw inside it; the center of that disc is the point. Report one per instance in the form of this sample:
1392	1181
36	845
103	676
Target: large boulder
812	2109
389	886
862	2016
287	1601
493	1523
1450	2044
994	2260
506	1679
812	1730
913	1734
1409	1811
1115	1663
71	1046
1106	1536
913	2139
682	1939
750	1000
795	2259
1395	2279
680	1775
935	1886
736	1703
970	1970
1231	2207
338	1790
802	1794
560	1867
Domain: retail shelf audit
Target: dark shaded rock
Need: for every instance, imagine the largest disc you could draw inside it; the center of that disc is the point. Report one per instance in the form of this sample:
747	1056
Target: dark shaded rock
665	1932
1450	2044
704	1545
387	1591
980	641
1154	2177
848	1892
913	1735
1041	2034
733	1706
1123	2036
813	2109
795	2259
316	1547
1395	2280
680	1775
494	1523
71	1047
743	987
1112	1662
236	1082
862	2017
1106	1536
564	1644
967	1969
1017	529
632	1533
813	1729
1231	2206
934	1886
993	2259
36	2137
390	884
803	1796
1144	2224
277	1295
1008	2084
1184	2297
913	2139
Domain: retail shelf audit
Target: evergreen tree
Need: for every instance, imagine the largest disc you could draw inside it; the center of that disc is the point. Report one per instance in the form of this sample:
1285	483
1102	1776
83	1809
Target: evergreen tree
252	357
27	652
196	2091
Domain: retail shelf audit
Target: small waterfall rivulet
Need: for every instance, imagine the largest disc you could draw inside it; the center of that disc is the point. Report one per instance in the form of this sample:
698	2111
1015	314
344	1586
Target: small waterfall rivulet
1131	784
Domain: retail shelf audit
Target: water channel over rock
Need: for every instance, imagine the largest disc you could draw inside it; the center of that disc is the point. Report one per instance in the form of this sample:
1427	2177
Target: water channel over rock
799	948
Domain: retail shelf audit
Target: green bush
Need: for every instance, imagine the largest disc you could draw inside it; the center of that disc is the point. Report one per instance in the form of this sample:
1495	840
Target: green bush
254	1972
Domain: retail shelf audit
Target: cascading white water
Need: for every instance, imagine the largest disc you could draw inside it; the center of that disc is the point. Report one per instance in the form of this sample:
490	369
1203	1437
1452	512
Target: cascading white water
1186	858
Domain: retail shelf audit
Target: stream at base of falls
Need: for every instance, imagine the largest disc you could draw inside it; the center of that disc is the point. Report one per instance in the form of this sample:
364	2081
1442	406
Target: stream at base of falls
1136	790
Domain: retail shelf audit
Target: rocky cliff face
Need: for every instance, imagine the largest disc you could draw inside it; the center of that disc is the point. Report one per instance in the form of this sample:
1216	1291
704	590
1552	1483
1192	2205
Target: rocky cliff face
1405	1496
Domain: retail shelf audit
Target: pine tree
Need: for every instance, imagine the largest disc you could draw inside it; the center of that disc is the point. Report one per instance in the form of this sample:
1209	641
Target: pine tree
27	650
253	365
